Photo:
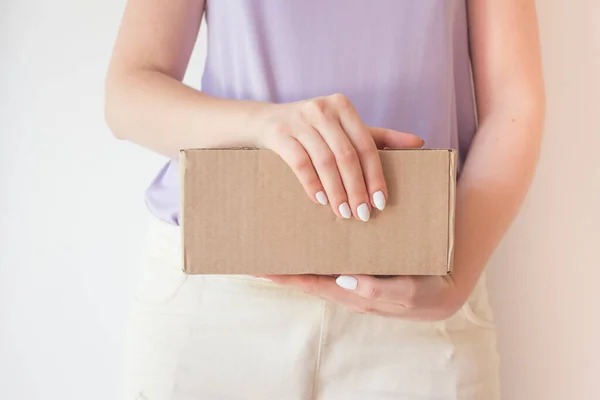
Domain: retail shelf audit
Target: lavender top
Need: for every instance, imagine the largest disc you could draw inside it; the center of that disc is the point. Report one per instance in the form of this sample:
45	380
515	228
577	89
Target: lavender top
404	64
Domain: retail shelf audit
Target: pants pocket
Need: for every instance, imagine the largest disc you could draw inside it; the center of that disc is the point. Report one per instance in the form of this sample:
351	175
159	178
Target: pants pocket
161	281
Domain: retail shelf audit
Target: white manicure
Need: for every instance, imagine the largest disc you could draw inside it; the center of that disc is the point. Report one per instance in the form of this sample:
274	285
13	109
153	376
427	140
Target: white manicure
321	198
379	200
363	212
347	282
344	209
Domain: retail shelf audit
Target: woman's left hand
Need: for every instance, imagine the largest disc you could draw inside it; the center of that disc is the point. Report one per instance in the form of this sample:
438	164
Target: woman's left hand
427	298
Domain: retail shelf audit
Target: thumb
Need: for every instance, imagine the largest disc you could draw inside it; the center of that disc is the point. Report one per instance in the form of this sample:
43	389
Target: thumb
388	138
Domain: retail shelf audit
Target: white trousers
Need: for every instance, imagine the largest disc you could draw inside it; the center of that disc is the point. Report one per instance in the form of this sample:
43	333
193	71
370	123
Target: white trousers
243	338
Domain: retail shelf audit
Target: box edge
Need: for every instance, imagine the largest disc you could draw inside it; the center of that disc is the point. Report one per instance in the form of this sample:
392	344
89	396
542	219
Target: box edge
451	207
182	175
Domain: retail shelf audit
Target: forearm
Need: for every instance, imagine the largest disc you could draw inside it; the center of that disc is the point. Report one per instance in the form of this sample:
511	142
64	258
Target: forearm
153	110
493	184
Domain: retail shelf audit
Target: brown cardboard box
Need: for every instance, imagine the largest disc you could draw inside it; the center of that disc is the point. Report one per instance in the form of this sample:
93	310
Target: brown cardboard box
244	212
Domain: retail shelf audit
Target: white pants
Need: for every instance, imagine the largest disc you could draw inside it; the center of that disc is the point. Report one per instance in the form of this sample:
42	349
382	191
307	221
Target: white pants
243	338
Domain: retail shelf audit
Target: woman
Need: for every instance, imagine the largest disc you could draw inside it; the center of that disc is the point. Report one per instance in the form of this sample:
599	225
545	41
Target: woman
323	83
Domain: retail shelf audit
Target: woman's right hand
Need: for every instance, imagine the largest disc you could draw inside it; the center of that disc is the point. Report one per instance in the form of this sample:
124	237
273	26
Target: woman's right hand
333	153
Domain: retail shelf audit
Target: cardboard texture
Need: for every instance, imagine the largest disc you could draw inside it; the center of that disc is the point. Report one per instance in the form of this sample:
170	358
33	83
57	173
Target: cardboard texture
245	212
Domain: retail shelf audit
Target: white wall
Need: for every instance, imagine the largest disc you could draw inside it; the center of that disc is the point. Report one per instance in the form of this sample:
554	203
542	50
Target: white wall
71	203
72	215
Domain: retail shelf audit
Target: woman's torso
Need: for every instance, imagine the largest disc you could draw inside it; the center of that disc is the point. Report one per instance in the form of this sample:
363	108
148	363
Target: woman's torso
404	64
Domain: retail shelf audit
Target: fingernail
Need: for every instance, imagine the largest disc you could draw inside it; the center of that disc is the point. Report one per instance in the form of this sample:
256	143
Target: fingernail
363	212
347	282
321	198
379	200
422	143
344	209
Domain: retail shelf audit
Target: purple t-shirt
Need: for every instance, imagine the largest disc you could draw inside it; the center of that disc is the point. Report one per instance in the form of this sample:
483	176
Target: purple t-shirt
404	64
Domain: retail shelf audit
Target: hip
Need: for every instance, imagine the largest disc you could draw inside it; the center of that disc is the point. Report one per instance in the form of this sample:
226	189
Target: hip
197	336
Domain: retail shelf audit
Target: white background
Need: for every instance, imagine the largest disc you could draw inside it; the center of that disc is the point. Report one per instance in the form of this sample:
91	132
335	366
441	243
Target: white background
72	213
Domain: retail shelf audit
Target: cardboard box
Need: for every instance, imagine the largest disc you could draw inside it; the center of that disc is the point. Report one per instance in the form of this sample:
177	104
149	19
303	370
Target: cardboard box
245	212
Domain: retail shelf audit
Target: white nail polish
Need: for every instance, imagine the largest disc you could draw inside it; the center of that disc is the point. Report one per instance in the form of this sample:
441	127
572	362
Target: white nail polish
363	212
321	198
347	282
344	209
379	200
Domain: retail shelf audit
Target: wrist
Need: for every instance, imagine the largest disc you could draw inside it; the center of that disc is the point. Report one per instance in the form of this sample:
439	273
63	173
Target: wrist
266	119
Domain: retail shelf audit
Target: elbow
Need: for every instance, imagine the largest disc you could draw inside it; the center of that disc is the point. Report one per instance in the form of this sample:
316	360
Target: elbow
113	110
112	117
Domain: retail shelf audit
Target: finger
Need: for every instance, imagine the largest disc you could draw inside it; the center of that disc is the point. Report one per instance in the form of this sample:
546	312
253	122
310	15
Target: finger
372	288
368	155
349	165
326	167
292	152
309	283
427	308
388	138
346	157
407	291
326	288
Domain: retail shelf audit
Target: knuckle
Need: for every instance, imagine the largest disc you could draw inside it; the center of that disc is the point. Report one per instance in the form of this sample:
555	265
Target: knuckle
314	108
347	155
301	164
325	161
340	101
366	148
372	292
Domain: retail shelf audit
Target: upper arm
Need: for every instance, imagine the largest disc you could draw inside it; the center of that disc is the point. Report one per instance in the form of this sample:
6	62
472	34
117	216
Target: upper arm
506	54
157	35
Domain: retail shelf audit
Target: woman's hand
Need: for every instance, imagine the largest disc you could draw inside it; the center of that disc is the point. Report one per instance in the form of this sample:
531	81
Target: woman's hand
426	298
323	140
333	153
